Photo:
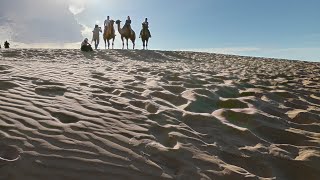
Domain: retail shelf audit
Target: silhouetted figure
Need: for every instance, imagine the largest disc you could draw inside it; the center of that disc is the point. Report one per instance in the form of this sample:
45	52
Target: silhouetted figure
106	24
109	34
128	23
6	45
126	33
145	34
96	35
145	26
85	46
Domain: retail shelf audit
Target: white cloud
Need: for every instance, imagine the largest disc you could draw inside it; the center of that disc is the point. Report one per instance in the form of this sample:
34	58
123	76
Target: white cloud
77	6
86	31
75	10
38	21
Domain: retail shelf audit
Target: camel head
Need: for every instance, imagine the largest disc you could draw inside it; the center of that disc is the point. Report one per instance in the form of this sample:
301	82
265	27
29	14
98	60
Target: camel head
112	22
118	22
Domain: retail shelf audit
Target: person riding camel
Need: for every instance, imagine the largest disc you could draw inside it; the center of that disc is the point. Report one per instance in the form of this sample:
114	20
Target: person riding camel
96	34
6	45
128	23
145	24
106	23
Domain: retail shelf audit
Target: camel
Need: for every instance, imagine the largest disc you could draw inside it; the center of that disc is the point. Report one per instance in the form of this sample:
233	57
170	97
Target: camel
145	35
127	33
109	34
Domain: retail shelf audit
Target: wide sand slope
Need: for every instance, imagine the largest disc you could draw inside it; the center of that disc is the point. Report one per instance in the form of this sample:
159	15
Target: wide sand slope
157	115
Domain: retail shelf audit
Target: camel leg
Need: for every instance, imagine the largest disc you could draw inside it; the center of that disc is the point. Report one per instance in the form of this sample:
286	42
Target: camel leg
112	43
122	42
133	44
147	44
105	44
127	44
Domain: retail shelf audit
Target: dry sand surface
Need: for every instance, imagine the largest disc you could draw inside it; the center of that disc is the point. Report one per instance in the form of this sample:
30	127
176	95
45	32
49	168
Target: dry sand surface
153	115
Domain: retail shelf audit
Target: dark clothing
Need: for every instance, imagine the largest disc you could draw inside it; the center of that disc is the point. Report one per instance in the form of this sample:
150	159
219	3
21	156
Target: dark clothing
6	45
147	32
128	22
145	26
86	48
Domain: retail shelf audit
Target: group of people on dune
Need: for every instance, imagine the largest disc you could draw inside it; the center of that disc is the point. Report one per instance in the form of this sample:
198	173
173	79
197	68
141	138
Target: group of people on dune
108	23
6	45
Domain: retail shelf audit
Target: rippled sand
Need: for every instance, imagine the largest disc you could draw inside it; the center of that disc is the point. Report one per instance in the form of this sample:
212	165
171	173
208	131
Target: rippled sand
157	115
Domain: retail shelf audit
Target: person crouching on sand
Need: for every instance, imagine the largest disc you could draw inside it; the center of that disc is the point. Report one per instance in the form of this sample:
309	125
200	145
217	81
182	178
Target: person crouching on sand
6	45
96	33
85	46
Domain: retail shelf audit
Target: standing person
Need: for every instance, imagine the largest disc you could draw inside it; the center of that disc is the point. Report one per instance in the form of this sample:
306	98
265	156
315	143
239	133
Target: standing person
146	25
6	45
96	34
106	23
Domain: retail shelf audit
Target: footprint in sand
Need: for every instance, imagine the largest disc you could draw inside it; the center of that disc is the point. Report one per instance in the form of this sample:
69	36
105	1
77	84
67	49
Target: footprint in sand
5	69
51	91
169	97
231	103
148	106
46	82
162	136
99	76
8	154
174	89
6	85
65	118
202	104
228	92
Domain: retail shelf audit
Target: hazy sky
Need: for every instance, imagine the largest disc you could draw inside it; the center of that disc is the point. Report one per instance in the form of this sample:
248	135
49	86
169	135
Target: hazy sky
272	28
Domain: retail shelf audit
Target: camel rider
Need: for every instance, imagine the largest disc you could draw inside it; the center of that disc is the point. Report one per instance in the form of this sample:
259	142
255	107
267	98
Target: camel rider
146	25
96	33
106	23
128	23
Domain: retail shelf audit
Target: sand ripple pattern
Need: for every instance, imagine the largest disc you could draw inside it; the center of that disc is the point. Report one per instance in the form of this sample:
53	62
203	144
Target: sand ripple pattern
158	115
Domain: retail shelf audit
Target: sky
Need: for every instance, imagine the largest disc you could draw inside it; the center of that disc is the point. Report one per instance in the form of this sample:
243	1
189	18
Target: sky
287	29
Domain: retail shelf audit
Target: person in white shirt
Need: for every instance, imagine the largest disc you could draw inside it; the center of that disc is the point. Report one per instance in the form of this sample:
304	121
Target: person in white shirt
106	23
96	34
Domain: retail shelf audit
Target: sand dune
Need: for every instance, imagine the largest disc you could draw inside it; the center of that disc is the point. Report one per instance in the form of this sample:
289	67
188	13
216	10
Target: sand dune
157	115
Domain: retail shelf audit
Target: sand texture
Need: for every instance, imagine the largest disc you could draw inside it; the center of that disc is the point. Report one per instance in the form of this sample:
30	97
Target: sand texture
154	115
